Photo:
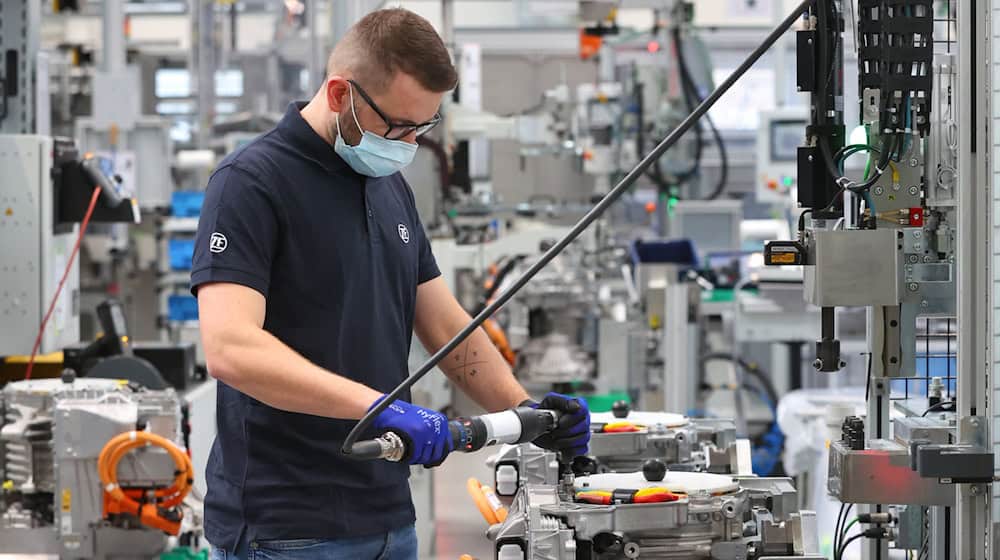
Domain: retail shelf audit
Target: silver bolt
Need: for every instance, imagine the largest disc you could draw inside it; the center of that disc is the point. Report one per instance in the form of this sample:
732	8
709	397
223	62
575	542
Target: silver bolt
914	191
913	286
975	490
917	246
916	234
879	190
913	260
927	258
914	162
817	364
896	186
810	158
924	304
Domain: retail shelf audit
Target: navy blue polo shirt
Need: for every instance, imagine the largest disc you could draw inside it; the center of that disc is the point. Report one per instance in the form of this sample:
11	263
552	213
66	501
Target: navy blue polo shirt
338	257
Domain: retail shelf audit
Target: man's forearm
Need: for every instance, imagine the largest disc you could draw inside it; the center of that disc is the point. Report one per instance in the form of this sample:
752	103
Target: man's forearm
481	372
253	361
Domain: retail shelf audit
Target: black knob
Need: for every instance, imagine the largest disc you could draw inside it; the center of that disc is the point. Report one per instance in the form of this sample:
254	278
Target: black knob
620	409
654	470
584	466
68	376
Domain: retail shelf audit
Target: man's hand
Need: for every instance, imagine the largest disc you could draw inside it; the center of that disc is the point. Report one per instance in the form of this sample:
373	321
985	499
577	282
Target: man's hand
425	431
572	434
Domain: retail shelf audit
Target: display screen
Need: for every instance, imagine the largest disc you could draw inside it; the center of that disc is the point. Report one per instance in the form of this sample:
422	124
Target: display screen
229	83
172	82
786	137
710	232
176	82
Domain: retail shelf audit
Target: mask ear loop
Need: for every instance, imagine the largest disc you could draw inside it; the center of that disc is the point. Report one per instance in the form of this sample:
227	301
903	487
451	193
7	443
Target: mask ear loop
350	90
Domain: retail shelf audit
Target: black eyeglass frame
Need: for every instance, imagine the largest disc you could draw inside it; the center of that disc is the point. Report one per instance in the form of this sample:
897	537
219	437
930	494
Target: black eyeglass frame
407	128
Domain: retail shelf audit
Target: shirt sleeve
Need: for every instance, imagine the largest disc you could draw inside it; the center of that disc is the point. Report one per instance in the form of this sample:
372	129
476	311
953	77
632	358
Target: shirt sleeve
427	264
237	233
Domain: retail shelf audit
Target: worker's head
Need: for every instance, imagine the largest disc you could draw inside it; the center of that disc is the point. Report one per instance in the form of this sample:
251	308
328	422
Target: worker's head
384	84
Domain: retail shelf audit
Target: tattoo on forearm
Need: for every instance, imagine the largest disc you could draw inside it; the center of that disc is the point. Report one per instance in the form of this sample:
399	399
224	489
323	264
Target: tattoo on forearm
465	363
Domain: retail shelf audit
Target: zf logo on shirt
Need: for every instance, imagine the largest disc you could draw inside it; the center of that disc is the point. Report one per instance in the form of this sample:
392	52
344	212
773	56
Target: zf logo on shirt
404	233
217	243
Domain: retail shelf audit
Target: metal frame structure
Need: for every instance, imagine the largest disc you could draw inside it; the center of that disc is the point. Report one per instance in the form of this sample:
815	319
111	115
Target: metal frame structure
20	22
975	252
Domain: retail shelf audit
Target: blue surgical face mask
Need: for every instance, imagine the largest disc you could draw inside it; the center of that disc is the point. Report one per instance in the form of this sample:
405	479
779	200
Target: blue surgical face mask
374	156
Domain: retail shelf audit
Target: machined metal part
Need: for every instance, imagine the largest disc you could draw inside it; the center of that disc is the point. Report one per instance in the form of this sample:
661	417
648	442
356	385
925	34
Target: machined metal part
543	524
882	474
926	429
52	434
393	446
700	445
835	257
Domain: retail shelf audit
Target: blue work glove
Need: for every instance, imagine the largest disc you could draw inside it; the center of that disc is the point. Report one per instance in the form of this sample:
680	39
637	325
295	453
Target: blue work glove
572	434
425	431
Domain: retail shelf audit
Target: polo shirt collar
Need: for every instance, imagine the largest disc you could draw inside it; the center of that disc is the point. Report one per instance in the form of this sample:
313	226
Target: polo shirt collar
302	136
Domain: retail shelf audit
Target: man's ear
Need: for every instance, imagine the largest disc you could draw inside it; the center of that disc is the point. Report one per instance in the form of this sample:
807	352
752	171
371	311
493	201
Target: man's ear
337	93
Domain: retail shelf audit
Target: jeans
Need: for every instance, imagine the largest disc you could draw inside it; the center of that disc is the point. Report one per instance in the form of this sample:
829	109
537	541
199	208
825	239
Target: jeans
400	544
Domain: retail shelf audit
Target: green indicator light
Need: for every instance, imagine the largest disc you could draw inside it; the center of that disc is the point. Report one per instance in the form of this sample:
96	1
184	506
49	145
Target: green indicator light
788	181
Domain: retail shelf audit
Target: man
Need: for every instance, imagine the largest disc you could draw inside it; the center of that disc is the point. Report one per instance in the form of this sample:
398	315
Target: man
312	271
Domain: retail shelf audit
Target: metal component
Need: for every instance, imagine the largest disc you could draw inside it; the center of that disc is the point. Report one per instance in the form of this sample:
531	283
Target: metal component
33	252
912	429
913	286
708	445
914	191
52	434
20	30
878	190
836	256
860	477
393	447
760	516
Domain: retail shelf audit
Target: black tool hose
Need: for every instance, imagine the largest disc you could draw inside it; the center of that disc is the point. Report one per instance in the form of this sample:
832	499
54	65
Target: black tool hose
690	88
749	369
577	229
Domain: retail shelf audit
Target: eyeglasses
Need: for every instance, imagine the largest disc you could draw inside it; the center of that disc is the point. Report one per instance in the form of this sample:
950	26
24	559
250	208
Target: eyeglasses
395	130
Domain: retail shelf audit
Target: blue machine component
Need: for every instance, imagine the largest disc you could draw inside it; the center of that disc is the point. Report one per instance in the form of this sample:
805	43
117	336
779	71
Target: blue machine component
181	251
182	308
187	204
680	251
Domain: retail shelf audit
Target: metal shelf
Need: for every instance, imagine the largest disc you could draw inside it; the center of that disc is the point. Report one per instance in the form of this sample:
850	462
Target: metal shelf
180	225
175	278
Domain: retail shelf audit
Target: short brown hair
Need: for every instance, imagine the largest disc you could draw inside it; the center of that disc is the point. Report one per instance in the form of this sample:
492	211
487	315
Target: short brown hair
394	40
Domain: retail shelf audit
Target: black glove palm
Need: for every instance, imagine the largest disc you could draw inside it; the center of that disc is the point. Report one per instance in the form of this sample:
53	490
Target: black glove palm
572	434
